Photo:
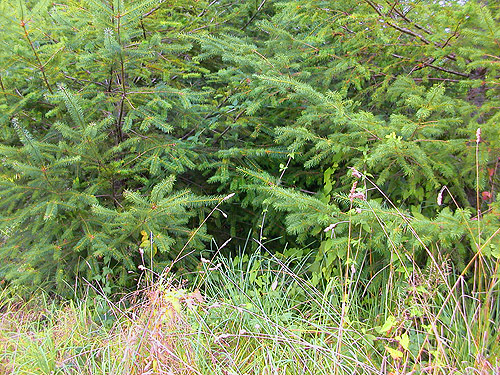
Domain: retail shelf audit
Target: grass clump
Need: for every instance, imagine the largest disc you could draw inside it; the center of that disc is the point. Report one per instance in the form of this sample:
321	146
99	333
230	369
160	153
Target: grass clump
256	315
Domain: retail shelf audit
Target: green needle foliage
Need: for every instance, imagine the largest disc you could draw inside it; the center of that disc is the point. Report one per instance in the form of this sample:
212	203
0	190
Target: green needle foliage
392	89
99	101
122	121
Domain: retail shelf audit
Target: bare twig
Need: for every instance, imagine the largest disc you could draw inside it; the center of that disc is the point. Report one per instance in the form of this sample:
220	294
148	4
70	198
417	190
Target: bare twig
429	64
404	17
40	65
254	15
411	32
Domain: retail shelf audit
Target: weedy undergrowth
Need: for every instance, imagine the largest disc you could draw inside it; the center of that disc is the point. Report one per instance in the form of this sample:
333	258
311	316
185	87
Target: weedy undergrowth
264	313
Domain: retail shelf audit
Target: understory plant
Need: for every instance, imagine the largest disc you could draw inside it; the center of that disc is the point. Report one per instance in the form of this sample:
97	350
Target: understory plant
254	314
99	108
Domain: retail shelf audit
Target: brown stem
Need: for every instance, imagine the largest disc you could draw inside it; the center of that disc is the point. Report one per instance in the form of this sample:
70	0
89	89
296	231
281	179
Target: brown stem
121	110
120	119
404	17
79	80
408	31
254	15
3	89
40	65
143	29
110	82
437	79
151	12
44	171
429	64
447	70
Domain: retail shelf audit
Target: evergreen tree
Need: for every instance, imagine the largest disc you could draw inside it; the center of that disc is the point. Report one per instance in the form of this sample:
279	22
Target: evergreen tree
102	111
397	91
122	120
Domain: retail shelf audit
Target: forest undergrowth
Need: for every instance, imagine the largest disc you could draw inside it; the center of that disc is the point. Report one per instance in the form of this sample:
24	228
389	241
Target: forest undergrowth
259	313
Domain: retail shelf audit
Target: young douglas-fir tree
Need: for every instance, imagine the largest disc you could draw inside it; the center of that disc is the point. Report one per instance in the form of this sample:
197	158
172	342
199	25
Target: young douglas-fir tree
114	101
396	90
100	102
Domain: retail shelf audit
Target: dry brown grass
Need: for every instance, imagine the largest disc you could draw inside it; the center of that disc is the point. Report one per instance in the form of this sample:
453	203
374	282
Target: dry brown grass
156	336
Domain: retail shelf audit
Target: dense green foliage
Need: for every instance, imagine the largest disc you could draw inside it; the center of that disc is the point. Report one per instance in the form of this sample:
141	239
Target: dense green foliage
349	149
99	112
124	123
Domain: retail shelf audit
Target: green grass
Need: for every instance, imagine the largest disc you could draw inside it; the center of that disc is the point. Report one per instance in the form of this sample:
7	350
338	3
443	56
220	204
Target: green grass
254	315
